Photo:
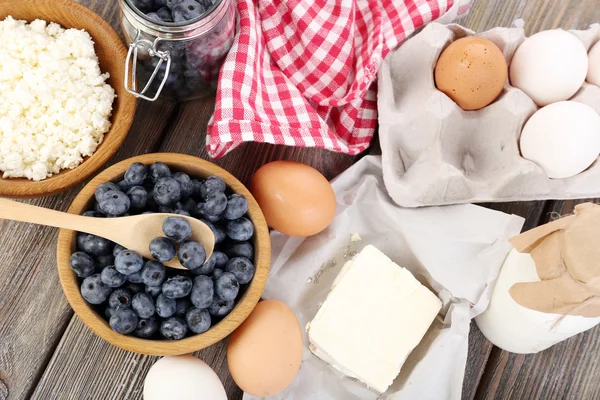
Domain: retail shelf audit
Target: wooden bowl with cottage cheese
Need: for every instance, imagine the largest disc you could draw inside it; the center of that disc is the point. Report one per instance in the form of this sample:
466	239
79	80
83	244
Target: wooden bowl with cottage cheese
46	147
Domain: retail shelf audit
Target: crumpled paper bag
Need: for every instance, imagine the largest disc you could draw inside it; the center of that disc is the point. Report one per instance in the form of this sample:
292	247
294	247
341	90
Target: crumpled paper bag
435	153
566	255
456	251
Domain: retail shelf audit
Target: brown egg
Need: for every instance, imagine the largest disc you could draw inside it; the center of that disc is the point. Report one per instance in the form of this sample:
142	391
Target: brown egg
295	198
265	352
472	72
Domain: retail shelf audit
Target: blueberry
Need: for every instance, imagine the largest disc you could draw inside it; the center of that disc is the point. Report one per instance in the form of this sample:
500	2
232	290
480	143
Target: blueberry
103	188
206	268
82	264
93	290
177	229
199	211
124	186
124	321
164	14
136	174
198	187
220	307
104	261
93	214
243	249
217	231
143	305
227	286
177	287
153	291
215	204
97	246
187	187
241	268
212	184
113	278
153	273
162	249
115	203
120	298
198	320
237	206
146	328
135	288
220	259
165	307
241	229
173	328
159	170
138	197
127	262
216	274
81	240
191	254
202	292
182	306
136	277
166	192
117	249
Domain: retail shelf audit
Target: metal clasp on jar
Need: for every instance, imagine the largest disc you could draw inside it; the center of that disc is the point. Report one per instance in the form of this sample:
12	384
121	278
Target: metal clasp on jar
132	55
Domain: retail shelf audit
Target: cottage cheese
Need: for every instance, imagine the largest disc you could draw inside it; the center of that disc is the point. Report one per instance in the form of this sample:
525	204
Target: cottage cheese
54	103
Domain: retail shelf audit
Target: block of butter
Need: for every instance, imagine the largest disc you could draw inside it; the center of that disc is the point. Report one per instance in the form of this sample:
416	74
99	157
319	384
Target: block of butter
374	316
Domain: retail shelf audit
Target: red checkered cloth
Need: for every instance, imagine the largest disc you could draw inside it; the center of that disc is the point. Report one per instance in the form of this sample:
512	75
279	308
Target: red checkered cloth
302	72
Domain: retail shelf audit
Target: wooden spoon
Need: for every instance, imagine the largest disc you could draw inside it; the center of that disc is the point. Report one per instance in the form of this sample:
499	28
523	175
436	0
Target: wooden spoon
133	233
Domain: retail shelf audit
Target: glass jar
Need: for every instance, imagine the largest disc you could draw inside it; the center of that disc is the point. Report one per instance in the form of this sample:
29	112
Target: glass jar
176	61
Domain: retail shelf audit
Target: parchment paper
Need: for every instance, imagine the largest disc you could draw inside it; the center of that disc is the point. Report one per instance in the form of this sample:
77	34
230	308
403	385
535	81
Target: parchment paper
435	153
456	251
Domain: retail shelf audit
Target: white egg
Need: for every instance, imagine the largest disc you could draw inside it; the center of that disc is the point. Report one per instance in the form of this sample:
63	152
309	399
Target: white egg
549	66
182	378
562	138
593	74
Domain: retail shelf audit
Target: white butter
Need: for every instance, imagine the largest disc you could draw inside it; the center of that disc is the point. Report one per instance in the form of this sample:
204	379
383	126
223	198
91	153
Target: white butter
374	316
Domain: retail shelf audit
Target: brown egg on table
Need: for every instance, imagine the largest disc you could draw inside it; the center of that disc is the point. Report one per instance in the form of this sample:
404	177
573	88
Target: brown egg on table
265	352
296	199
471	71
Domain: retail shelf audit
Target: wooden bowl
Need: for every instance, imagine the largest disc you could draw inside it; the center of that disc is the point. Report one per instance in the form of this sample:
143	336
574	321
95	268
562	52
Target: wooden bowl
195	167
111	52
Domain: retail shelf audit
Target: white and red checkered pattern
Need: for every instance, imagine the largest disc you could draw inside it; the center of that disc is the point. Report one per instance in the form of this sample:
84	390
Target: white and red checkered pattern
303	72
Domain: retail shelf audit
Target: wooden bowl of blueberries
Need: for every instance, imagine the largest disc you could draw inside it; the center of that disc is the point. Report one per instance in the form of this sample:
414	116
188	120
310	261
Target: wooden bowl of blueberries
139	304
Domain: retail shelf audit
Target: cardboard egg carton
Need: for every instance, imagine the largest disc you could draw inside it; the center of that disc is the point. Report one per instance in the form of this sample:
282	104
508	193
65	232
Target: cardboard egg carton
435	153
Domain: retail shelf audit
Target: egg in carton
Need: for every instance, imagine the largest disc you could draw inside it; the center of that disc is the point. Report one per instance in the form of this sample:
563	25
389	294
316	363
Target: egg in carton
435	153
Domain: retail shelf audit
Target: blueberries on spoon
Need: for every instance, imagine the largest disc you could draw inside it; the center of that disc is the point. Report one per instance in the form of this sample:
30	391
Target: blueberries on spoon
162	249
177	229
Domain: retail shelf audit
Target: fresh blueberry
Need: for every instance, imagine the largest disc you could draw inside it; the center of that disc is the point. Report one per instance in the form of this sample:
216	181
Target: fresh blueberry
136	277
159	170
93	290
98	209
117	249
218	232
216	274
173	328
165	307
103	188
164	14
237	206
115	203
177	287
162	249
96	246
82	264
220	307
207	267
199	213
198	187
146	328
220	259
143	305
166	192
138	197
241	268
241	229
198	320
127	262
124	321
187	187
177	229
181	306
135	288
202	292
227	286
212	184
153	291
104	261
120	298
153	273
191	254
215	204
136	173
243	249
113	278
93	214
124	186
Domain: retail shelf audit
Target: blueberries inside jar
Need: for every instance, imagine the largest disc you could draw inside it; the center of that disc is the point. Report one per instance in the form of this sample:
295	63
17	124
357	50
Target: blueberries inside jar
146	299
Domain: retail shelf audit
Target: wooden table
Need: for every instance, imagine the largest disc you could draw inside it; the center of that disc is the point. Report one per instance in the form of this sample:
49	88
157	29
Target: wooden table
47	353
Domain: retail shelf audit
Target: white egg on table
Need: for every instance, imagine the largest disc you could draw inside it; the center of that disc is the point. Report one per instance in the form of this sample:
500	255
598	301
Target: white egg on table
562	138
593	75
549	66
182	378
